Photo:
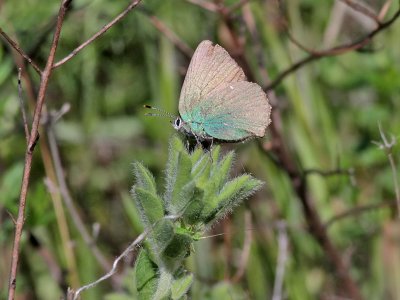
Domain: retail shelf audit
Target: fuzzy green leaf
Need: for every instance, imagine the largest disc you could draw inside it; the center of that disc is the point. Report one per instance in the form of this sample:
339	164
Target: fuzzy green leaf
218	177
182	178
194	208
215	153
231	195
178	174
180	286
164	285
150	206
179	247
160	237
144	178
196	155
145	276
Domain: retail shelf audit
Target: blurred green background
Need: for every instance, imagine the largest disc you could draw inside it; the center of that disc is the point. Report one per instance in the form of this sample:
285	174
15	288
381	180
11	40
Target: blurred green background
330	111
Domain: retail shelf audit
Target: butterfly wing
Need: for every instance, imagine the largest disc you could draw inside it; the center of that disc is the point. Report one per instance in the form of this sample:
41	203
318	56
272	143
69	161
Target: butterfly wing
236	112
211	68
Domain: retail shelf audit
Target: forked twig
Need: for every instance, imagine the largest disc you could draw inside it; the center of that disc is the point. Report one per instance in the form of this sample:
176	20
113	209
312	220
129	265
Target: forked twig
17	48
33	137
128	250
357	211
69	203
318	54
172	36
388	147
105	28
34	134
363	10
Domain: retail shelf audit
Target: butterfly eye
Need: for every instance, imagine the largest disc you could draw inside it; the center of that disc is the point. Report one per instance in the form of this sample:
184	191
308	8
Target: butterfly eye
177	123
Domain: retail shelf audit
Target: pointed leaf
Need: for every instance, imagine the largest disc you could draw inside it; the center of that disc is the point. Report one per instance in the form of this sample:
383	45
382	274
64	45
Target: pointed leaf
144	178
145	276
159	238
180	286
178	175
231	195
164	286
150	206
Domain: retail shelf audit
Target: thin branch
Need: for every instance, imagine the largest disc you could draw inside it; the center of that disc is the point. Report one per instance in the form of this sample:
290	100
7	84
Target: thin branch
66	243
34	136
316	55
363	10
22	105
281	261
69	203
357	211
348	172
128	250
388	147
105	28
20	51
384	10
244	257
172	36
300	45
299	185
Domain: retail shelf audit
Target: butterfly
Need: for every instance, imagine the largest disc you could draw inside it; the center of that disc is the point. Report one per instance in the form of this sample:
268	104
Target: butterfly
216	100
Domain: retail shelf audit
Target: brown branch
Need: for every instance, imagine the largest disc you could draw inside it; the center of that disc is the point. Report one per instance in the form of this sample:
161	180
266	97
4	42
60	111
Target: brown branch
75	295
21	103
69	203
329	172
388	147
105	28
357	211
385	8
316	55
34	135
17	48
172	36
315	225
299	184
363	10
66	242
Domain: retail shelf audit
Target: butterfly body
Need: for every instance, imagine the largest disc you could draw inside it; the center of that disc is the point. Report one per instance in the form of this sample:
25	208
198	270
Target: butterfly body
217	102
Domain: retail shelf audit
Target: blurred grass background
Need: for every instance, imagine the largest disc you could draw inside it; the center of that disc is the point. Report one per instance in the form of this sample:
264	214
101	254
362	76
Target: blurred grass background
330	111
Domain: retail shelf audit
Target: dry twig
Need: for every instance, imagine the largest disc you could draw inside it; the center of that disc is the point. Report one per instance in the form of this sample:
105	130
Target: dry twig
363	10
128	250
357	211
69	203
34	135
105	28
338	50
17	48
388	147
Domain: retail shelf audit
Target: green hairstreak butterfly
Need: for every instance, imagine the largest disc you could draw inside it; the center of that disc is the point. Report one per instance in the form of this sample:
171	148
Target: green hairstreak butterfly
216	100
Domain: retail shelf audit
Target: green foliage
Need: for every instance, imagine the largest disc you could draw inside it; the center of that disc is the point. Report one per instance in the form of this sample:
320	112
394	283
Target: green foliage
329	112
198	193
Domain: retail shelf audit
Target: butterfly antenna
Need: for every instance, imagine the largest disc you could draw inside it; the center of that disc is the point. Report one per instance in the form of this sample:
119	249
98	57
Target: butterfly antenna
161	113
